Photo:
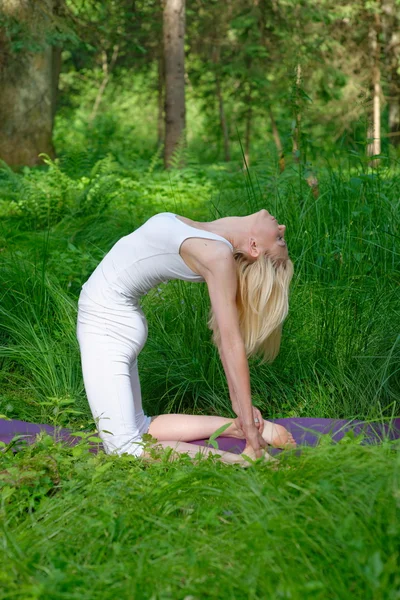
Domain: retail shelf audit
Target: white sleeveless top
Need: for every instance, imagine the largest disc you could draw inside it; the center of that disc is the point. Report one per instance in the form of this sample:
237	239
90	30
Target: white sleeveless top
143	259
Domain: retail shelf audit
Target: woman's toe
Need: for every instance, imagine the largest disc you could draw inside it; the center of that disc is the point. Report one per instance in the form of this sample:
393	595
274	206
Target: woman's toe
284	439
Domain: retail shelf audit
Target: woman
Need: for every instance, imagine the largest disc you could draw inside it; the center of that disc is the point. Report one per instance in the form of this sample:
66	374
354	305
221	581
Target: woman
245	263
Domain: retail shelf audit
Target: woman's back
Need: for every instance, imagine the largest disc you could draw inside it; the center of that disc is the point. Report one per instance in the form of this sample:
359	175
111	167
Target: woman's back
142	260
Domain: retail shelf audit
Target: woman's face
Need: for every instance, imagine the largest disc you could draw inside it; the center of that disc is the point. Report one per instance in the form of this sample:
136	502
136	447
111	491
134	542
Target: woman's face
268	237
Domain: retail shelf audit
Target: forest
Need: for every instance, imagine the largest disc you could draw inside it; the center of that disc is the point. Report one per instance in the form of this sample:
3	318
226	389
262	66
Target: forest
111	112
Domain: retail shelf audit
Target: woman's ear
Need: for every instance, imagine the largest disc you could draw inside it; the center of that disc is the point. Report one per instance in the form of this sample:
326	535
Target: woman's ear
253	248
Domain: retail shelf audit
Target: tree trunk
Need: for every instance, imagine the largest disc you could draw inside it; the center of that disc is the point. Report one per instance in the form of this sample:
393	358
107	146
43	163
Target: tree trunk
220	98
247	136
29	82
174	61
297	118
394	108
160	100
222	117
55	76
391	27
277	140
374	146
107	68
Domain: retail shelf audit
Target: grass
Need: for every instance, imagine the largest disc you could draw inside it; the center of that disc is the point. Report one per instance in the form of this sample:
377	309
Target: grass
325	525
340	351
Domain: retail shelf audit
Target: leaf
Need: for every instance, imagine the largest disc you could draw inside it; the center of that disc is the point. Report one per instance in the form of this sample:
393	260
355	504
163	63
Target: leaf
104	467
212	439
7	491
77	451
101	469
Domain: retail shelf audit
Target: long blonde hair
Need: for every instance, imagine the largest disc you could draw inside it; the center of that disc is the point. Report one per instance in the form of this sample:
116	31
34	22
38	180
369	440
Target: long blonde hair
262	300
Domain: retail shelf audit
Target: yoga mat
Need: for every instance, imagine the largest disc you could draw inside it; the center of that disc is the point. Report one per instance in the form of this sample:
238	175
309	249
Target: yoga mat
306	432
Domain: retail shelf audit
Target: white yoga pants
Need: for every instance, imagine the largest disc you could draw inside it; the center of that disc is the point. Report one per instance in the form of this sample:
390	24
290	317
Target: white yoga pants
110	341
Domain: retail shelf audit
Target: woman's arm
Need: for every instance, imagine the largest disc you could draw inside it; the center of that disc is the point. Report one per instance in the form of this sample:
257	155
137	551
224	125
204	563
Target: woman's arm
220	275
256	412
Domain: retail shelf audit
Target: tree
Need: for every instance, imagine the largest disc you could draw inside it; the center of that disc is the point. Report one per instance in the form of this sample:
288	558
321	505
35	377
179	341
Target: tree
374	146
29	69
391	30
174	60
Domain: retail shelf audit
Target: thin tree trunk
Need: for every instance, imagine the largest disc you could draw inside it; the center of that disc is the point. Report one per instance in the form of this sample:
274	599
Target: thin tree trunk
107	68
160	100
174	61
222	120
55	76
374	147
28	82
247	137
297	118
277	140
390	28
221	109
394	109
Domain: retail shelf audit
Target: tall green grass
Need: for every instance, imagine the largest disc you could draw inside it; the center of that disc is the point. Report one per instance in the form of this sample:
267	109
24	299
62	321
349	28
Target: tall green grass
324	526
341	348
39	347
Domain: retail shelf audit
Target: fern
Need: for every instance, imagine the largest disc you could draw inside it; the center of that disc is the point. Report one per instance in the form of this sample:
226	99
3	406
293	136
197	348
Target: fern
77	163
155	159
179	156
105	166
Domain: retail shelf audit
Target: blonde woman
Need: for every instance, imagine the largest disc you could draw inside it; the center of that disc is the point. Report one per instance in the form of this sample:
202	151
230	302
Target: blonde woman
244	262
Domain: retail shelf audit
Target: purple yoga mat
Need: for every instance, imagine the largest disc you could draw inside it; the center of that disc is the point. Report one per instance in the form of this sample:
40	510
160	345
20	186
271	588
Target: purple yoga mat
305	431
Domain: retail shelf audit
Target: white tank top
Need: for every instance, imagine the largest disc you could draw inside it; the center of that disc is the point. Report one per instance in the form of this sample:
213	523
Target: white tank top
143	259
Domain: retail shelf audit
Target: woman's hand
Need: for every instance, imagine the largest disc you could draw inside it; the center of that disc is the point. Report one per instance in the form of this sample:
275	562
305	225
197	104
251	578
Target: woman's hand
258	419
254	438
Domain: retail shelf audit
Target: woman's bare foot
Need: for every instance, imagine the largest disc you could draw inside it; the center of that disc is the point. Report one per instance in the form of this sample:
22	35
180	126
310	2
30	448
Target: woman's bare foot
275	435
278	436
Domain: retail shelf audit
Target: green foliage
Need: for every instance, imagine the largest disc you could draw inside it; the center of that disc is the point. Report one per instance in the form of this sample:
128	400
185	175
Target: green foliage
41	198
38	335
340	351
19	35
29	28
322	524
